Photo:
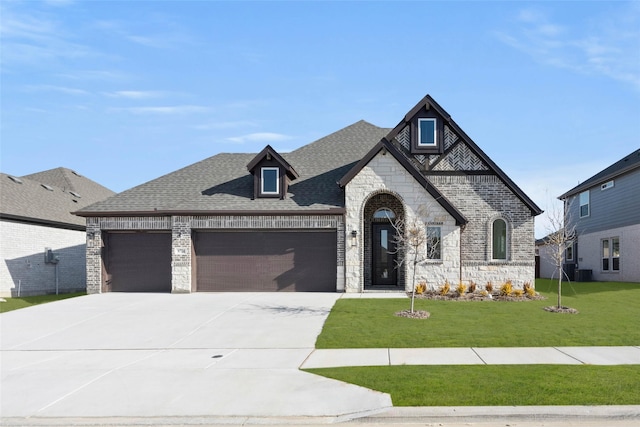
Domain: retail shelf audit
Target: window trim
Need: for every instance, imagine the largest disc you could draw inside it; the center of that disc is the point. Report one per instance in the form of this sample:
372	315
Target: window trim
262	180
610	255
607	185
506	239
587	204
569	252
419	142
438	249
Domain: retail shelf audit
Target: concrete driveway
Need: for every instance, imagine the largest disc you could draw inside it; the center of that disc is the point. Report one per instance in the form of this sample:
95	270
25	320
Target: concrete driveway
160	355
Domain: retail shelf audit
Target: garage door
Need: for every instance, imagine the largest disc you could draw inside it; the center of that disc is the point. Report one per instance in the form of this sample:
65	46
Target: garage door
266	261
138	262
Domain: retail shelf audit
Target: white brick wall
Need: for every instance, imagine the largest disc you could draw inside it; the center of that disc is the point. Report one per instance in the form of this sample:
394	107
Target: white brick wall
384	173
23	268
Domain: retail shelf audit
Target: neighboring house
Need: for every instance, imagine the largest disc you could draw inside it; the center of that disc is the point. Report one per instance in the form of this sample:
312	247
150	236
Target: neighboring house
35	216
545	260
318	218
605	210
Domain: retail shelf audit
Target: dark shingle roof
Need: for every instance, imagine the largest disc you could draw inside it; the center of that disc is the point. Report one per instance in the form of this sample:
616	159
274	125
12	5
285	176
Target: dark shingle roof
48	197
223	183
622	166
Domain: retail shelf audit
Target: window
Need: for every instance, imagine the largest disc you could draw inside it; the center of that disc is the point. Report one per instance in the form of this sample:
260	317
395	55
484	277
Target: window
427	132
611	254
434	238
584	204
384	213
270	180
606	185
569	253
499	239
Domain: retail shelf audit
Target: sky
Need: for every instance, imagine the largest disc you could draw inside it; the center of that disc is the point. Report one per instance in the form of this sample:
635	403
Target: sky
123	92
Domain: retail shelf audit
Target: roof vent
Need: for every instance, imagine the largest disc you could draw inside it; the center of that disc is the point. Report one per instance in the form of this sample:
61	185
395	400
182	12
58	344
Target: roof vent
47	187
74	194
15	179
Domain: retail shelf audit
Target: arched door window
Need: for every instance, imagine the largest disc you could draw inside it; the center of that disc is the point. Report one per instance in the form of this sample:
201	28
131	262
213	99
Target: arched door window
384	213
499	239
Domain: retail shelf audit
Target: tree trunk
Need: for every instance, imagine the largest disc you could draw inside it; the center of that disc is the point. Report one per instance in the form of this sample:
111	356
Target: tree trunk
560	288
413	285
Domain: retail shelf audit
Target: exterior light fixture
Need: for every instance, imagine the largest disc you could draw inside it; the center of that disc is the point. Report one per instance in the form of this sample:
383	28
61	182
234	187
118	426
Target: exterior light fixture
354	238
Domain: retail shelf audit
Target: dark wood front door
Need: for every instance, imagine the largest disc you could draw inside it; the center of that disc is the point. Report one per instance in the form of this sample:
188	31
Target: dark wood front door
383	251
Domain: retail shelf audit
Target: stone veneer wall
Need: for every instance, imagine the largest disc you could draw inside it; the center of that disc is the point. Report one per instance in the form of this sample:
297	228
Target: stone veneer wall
482	199
182	246
385	174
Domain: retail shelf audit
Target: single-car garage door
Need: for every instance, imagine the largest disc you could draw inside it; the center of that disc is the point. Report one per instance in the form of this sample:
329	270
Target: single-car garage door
138	262
266	261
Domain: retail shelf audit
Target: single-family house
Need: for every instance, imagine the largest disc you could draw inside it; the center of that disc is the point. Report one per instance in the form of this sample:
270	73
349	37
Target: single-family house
605	212
42	244
320	218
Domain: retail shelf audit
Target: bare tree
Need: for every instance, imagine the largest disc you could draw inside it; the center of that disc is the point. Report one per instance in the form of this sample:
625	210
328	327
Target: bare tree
414	245
561	236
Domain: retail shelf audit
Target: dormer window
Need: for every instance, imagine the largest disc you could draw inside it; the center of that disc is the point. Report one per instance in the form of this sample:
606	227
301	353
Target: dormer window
271	174
270	181
427	133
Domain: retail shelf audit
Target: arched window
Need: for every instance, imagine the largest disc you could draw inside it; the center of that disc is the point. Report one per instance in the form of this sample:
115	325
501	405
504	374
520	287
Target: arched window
384	213
499	239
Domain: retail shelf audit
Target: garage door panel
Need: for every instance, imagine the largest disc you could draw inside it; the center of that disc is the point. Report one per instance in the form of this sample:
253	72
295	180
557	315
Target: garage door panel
266	261
139	262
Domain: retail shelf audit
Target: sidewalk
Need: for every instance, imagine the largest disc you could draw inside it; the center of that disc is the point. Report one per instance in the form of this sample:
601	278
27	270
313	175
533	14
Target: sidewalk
328	358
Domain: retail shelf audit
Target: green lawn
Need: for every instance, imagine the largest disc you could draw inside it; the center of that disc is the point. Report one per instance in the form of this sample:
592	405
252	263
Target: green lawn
608	316
497	385
16	303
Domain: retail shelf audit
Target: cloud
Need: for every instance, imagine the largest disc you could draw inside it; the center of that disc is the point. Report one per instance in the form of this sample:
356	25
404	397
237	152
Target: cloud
60	89
165	110
259	137
225	125
134	94
166	39
606	45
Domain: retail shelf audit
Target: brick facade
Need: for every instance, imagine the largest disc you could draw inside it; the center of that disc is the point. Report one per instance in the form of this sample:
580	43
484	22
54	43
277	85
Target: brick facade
182	258
24	271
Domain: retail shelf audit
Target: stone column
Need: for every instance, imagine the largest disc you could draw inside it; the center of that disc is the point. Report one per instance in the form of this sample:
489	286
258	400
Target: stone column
180	254
94	256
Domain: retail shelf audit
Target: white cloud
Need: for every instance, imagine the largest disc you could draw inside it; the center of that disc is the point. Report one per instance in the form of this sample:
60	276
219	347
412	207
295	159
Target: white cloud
134	94
225	125
259	137
606	45
53	88
165	110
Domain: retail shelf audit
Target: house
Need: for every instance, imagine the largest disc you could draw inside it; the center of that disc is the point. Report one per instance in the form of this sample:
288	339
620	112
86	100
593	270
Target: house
605	211
319	218
42	244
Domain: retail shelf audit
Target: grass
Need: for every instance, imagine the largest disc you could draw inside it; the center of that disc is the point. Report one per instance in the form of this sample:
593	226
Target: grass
608	316
497	385
22	302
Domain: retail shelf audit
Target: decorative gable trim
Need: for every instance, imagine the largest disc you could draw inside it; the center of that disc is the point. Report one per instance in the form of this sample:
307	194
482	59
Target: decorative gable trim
386	147
268	160
429	104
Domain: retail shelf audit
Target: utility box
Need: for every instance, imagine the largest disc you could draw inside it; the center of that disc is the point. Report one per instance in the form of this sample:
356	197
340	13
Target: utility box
584	275
50	257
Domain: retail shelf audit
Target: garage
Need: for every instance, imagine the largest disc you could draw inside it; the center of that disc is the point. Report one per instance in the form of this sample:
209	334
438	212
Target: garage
266	261
138	262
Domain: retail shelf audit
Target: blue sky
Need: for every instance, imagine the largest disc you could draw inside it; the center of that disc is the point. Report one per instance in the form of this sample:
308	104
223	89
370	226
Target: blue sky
126	91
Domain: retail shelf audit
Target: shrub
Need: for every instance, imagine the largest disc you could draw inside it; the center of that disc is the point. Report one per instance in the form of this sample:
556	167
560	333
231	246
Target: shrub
472	287
445	289
484	293
529	290
507	288
518	293
421	288
489	287
461	289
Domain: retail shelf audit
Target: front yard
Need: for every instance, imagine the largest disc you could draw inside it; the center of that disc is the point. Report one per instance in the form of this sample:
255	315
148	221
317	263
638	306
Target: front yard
608	315
22	302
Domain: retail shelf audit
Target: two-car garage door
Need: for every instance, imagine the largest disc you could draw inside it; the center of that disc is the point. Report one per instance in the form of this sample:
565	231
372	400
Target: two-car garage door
226	261
266	261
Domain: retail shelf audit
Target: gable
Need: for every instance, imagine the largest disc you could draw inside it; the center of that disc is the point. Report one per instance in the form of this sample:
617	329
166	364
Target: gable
459	154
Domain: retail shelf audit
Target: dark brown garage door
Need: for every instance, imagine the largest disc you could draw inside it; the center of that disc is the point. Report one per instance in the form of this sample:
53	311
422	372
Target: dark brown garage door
266	261
138	262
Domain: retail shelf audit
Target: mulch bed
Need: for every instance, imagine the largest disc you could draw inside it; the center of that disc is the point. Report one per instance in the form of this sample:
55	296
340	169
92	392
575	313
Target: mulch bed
417	314
561	309
454	296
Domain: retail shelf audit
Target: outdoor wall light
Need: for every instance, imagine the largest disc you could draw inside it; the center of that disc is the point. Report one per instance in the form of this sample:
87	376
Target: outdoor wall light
354	238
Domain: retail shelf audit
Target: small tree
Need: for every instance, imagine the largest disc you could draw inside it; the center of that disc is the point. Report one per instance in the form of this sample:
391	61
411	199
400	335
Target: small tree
562	234
413	244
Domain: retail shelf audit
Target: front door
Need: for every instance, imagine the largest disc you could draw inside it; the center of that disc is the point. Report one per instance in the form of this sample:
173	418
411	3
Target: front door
384	255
